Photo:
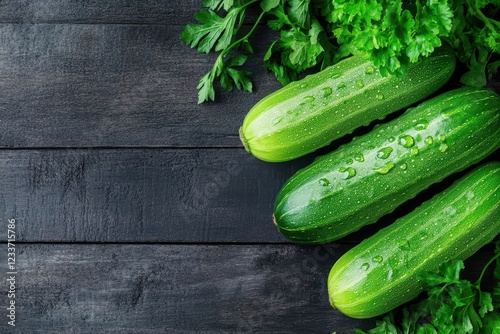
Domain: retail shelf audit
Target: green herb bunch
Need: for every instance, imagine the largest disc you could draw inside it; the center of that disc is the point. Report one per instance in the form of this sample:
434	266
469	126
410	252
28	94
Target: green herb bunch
303	41
313	34
394	34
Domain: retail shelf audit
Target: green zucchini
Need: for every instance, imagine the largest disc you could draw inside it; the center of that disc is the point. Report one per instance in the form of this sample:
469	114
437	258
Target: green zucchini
381	272
369	177
308	114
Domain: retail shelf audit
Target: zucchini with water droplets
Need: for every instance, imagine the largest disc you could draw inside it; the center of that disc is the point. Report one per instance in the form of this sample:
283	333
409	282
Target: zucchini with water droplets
382	271
369	177
309	114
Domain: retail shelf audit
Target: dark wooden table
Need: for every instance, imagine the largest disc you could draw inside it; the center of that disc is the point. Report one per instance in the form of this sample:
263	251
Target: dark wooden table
135	210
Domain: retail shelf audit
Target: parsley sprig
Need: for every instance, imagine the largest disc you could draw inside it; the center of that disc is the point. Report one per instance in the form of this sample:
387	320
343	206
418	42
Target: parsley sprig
303	43
395	33
453	305
216	33
318	33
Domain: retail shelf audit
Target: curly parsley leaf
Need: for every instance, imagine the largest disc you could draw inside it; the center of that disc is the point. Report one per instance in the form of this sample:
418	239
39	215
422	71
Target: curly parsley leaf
475	35
317	33
303	41
392	34
453	304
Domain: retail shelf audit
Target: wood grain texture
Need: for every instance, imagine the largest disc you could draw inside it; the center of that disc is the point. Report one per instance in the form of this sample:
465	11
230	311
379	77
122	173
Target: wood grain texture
144	12
75	288
70	85
199	195
174	289
98	12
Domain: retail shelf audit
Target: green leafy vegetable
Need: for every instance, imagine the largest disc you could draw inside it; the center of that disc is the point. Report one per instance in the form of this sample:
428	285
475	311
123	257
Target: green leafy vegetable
453	305
391	33
395	33
217	33
476	37
303	41
318	33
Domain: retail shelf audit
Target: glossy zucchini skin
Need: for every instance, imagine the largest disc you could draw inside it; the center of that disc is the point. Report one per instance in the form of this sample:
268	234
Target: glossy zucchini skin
380	273
369	177
309	114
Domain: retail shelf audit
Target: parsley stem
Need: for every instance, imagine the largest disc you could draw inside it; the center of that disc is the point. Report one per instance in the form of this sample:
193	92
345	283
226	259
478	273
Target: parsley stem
496	256
230	47
217	69
242	39
243	7
487	21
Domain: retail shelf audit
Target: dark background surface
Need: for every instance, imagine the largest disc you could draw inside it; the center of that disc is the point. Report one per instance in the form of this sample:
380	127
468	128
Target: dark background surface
137	210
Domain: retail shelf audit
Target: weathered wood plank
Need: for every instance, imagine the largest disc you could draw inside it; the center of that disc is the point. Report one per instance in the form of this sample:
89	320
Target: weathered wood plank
114	85
150	12
139	195
84	288
172	289
91	11
154	195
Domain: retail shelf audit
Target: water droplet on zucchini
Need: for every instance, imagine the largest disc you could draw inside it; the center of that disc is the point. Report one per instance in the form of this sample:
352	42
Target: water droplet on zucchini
422	125
386	168
443	147
380	97
309	98
341	85
414	151
404	245
406	141
429	140
351	172
327	91
324	182
389	274
365	266
384	153
360	84
378	259
369	70
450	211
359	157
